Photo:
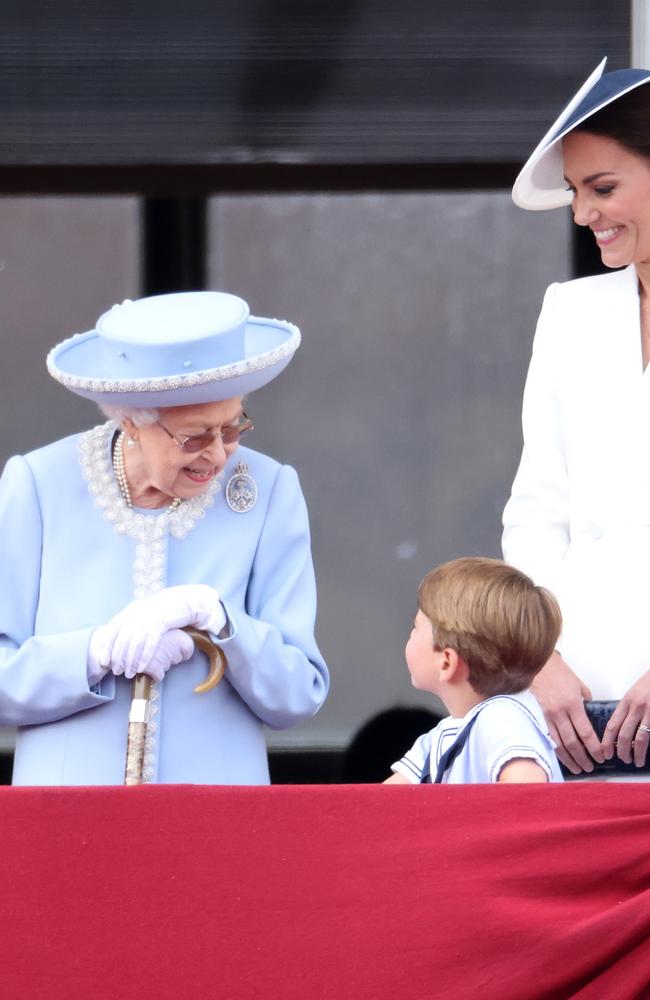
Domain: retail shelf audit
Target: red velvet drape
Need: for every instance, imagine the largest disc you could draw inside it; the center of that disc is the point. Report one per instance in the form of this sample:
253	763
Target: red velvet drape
326	893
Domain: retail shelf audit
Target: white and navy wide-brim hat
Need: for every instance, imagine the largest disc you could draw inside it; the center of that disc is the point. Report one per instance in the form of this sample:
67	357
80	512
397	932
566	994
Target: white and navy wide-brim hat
173	350
541	183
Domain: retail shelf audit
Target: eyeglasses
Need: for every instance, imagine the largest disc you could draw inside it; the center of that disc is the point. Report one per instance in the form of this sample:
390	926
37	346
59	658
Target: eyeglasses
199	442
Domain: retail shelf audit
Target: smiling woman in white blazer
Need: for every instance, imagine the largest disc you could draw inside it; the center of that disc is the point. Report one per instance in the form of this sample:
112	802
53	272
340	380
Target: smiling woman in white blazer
578	519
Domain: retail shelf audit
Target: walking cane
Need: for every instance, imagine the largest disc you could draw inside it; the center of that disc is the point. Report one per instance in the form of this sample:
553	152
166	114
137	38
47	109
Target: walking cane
140	703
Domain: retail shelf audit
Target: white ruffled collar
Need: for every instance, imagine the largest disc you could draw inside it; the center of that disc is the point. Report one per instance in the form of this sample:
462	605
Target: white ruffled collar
97	468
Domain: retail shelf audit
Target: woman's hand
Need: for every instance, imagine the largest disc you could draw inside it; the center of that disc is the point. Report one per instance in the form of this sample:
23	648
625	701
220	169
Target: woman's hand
622	734
174	647
130	639
561	693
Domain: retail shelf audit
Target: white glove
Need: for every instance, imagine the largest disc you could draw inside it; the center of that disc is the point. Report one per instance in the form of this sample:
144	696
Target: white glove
127	643
174	647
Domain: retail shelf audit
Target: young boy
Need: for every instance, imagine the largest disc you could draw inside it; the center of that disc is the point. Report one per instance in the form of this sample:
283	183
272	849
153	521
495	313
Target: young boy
482	632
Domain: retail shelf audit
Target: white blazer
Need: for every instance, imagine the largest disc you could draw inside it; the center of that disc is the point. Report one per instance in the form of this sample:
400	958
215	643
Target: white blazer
578	519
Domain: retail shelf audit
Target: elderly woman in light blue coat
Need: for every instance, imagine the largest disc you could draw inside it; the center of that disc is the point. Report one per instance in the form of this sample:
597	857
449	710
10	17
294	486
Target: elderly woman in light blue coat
112	541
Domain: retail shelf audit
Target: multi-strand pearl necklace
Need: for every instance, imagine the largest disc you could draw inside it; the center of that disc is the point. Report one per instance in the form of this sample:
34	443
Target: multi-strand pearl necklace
120	474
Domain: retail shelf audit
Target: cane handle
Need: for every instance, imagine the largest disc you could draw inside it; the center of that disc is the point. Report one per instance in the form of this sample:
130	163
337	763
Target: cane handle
216	658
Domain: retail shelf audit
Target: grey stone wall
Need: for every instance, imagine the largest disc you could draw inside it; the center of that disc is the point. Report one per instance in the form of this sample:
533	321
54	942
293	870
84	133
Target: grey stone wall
401	410
63	261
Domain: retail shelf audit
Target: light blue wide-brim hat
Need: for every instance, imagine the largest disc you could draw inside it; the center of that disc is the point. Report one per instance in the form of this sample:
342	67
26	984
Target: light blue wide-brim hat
174	350
541	182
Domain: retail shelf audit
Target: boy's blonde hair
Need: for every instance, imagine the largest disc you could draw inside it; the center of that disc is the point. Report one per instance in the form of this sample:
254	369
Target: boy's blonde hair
501	624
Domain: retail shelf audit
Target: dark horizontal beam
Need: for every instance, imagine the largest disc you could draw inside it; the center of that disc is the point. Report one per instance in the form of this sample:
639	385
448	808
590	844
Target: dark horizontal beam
176	181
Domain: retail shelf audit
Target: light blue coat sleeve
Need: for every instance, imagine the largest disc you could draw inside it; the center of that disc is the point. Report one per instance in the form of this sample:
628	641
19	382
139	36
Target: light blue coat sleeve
42	677
273	660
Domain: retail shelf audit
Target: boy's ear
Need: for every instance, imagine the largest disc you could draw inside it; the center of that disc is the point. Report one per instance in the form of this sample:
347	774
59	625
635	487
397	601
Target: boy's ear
453	667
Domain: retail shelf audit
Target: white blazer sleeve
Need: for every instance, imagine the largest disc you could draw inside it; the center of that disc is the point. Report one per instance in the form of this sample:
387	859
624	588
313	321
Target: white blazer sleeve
536	517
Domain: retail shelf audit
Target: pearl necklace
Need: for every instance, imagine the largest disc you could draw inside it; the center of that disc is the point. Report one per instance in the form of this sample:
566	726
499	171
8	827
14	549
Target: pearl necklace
120	474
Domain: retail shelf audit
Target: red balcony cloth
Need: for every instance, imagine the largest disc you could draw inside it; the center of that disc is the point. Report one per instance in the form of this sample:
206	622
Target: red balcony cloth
326	893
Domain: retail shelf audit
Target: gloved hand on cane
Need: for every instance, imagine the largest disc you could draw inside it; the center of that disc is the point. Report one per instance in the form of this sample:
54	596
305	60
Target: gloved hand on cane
130	642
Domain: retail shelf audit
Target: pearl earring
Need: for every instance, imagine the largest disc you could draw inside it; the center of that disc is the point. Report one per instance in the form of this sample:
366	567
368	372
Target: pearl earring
131	443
